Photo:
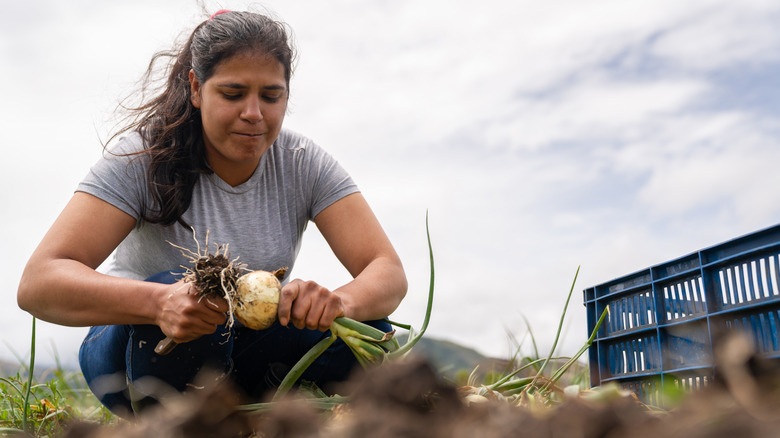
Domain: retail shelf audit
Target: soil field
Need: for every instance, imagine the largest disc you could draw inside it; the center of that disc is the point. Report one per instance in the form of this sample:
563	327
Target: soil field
408	399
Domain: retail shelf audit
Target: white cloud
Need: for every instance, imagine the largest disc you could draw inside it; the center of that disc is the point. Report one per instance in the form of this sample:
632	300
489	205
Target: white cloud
723	35
599	108
740	174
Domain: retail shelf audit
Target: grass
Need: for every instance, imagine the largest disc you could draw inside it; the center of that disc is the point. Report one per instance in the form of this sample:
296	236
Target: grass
62	397
43	406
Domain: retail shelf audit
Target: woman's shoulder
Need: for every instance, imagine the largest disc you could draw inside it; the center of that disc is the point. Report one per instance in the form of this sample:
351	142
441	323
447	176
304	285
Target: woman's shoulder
291	143
290	140
299	154
129	142
123	157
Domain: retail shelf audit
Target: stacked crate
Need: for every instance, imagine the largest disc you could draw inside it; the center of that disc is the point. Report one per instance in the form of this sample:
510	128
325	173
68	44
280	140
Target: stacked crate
662	320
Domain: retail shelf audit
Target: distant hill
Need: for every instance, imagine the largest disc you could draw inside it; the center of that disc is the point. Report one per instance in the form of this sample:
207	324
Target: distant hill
450	358
453	360
8	368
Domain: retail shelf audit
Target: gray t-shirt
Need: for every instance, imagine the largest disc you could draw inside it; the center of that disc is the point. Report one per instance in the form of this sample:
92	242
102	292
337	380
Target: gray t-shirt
262	220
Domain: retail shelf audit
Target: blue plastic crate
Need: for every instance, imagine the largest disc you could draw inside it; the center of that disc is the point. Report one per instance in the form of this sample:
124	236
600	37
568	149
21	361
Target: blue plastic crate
661	320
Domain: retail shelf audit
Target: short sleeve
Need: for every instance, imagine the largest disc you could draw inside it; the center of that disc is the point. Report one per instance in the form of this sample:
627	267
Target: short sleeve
120	179
328	180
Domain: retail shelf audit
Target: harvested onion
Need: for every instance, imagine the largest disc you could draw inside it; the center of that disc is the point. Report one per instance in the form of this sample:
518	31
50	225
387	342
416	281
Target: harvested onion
256	300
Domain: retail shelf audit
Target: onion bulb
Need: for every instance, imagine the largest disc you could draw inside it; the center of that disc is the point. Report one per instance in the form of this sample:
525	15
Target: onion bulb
256	300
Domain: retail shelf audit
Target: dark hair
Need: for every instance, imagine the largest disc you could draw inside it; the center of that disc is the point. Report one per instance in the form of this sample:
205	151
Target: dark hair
171	126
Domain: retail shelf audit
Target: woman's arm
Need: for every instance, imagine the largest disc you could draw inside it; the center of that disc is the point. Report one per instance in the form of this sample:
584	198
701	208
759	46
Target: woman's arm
358	241
60	284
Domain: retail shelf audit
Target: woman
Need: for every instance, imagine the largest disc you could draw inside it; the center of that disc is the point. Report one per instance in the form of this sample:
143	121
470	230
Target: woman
209	155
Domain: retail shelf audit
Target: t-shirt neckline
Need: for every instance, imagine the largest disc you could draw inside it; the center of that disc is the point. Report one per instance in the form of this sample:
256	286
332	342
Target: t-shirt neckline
246	185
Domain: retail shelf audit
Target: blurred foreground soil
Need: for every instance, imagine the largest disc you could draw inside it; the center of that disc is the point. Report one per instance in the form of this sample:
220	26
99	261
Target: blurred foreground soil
408	399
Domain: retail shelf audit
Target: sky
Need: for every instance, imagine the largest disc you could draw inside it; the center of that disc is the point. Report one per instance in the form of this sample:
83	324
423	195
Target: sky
538	137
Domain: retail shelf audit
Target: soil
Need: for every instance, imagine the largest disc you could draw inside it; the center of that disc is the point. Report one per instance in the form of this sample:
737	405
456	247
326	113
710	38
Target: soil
409	399
213	275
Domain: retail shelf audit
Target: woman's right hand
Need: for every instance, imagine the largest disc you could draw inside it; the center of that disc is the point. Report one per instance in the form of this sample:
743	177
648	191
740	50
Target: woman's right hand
60	284
184	316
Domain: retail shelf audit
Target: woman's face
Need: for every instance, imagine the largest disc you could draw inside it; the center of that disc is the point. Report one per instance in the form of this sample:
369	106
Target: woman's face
242	106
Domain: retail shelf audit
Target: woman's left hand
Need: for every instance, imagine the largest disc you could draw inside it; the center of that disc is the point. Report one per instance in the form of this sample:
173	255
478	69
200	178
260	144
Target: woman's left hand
306	304
378	280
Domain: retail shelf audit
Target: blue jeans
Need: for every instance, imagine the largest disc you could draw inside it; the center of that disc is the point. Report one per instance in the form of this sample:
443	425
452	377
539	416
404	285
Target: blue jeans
118	360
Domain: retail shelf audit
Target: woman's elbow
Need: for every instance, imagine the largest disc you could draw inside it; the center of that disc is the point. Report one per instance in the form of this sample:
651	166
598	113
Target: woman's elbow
402	284
24	297
27	297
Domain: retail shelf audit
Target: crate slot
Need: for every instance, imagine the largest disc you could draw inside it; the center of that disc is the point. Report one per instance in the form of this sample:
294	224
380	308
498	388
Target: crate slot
630	312
626	356
646	390
684	299
691	382
748	281
761	325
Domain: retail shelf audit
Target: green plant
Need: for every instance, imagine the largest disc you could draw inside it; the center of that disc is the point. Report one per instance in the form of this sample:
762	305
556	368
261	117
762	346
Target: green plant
44	406
517	386
369	345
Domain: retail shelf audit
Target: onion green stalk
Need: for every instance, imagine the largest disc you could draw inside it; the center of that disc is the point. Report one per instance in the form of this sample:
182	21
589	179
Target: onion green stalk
370	345
559	373
560	327
299	368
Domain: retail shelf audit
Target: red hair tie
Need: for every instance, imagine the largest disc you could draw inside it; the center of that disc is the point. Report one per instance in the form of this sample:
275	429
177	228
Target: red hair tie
221	11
